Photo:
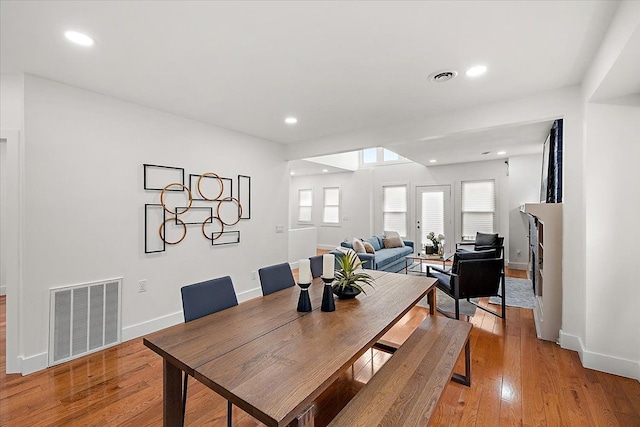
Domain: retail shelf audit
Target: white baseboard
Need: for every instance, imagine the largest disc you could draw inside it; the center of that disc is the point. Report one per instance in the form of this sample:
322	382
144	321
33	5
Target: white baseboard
153	325
3	290
31	364
250	294
517	265
144	328
598	361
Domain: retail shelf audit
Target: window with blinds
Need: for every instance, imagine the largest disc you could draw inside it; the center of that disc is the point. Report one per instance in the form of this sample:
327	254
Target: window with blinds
478	208
432	214
394	209
305	205
331	205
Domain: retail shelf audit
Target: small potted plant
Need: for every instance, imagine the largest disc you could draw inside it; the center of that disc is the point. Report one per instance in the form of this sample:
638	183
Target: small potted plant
349	278
436	240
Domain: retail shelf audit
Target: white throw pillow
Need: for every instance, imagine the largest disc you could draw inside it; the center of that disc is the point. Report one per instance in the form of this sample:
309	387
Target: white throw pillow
388	234
358	246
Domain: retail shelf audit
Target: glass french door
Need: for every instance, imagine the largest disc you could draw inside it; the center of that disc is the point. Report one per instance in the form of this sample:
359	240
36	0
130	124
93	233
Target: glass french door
434	213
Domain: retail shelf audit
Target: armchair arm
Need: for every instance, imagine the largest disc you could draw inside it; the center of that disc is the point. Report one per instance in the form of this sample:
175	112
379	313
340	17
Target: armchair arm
440	270
367	259
467	243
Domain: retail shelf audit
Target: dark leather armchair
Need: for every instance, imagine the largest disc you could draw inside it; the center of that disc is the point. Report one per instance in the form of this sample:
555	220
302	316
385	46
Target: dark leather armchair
484	242
475	274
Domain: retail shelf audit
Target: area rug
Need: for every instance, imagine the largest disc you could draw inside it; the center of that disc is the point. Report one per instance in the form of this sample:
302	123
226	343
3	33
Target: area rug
447	304
519	293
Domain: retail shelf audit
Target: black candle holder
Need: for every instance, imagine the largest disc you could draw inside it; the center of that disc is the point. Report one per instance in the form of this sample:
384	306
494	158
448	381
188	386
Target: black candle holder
304	302
328	304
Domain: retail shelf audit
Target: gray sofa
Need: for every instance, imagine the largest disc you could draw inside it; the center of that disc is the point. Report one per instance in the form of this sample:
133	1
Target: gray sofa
385	259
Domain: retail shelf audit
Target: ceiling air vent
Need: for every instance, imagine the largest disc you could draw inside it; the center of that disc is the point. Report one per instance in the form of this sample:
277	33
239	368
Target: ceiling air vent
442	76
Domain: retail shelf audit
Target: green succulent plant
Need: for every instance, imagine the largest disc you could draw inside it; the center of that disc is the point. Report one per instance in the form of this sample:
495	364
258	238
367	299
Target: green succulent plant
350	274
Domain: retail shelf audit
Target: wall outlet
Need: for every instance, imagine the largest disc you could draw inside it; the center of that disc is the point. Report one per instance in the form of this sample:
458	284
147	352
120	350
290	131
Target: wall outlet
279	228
254	276
142	285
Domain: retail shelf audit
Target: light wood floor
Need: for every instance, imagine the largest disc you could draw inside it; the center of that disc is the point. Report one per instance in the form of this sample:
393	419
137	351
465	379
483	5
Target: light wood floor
517	380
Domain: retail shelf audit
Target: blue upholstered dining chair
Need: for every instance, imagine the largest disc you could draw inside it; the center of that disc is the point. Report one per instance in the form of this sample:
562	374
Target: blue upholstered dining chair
202	299
275	278
316	266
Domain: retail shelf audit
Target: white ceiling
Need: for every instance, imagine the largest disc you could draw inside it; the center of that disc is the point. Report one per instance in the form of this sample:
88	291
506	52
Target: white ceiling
337	66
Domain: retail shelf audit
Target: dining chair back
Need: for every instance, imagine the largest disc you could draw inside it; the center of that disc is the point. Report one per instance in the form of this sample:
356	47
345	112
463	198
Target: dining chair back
275	278
202	299
316	266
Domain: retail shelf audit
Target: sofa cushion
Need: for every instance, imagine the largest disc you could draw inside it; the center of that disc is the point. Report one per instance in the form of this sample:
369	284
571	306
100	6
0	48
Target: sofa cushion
387	256
358	246
393	242
375	242
388	234
368	247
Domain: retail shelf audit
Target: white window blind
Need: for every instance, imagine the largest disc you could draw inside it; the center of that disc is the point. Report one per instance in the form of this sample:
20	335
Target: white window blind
394	208
432	213
478	208
305	205
331	211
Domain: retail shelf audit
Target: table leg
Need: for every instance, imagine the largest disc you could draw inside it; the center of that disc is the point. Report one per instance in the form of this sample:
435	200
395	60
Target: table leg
172	395
305	419
431	299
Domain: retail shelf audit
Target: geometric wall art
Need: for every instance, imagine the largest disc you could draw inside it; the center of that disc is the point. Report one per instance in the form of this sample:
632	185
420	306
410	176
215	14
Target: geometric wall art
206	201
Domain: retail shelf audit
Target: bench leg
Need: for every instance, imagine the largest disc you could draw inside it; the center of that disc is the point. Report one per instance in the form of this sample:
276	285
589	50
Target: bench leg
466	378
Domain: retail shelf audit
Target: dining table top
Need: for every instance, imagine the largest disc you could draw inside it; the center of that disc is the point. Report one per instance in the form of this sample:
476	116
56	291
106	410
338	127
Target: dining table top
273	361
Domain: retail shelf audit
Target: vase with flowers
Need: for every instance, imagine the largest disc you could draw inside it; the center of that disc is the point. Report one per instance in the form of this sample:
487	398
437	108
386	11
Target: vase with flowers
437	242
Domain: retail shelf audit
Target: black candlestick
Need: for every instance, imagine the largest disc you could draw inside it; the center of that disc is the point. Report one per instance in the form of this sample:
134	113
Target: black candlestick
328	304
304	302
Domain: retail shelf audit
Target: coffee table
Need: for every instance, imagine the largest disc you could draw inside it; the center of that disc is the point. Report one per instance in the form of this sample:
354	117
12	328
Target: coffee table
420	258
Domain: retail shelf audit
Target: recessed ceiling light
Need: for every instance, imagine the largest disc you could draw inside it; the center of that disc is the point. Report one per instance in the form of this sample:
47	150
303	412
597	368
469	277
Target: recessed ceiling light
476	70
325	170
432	161
442	76
291	120
500	153
292	173
79	38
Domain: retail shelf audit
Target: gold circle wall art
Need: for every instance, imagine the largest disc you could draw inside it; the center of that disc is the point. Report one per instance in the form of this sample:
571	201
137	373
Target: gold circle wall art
214	175
162	229
214	236
231	204
167	187
238	211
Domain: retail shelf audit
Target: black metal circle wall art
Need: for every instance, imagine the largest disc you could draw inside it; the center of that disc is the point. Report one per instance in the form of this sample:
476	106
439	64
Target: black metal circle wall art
229	199
166	188
213	235
216	176
161	231
154	178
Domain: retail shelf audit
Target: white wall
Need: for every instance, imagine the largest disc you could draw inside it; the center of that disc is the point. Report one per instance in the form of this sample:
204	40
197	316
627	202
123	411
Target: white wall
84	205
524	187
355	192
612	267
361	196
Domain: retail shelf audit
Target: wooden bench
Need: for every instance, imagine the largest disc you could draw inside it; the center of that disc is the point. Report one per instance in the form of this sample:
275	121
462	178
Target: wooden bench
407	389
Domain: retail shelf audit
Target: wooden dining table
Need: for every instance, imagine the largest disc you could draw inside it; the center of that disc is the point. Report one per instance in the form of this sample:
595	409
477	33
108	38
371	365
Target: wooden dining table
273	361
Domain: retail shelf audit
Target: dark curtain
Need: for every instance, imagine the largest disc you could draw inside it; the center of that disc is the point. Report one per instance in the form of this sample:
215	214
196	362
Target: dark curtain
554	174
